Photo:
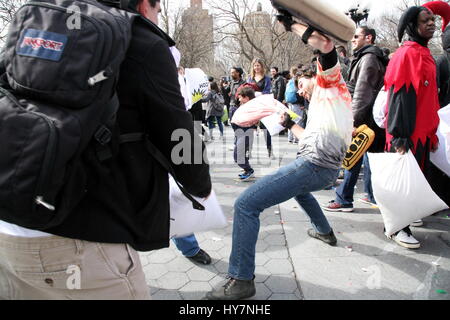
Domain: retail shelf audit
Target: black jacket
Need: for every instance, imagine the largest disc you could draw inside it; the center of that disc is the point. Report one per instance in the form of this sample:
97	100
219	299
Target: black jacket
234	86
443	70
127	197
366	78
443	80
226	94
278	87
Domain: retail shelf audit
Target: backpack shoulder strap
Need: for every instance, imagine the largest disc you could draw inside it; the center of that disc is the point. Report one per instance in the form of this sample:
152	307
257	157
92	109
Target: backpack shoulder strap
162	160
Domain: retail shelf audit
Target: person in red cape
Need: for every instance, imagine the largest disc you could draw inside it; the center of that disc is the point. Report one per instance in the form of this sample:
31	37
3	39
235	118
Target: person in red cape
413	102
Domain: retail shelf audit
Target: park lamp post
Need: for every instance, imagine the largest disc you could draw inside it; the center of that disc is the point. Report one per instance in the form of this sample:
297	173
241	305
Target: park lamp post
358	14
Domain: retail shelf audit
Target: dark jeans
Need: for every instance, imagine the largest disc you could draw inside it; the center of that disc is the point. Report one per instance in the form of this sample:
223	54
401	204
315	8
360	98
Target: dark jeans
231	113
439	182
267	137
344	193
368	179
243	141
219	123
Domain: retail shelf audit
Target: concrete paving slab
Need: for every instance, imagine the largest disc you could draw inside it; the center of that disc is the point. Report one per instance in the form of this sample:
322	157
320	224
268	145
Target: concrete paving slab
291	265
167	295
195	290
282	284
173	280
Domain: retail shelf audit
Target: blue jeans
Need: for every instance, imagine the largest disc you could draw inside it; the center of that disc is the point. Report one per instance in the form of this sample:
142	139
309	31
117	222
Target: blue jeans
298	179
187	245
344	193
368	179
219	122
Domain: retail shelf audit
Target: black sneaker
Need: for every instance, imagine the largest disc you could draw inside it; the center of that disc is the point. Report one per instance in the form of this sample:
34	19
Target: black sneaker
233	290
201	257
327	238
247	175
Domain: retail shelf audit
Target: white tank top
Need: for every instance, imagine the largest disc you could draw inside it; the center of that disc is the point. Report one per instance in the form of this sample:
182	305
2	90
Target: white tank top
16	231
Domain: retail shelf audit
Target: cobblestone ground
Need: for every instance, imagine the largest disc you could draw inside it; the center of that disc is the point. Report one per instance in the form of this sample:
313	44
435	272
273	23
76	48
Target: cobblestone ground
364	265
173	277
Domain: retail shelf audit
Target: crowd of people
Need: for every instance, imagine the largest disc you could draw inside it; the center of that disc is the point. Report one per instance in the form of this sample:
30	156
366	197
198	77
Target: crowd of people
372	69
332	98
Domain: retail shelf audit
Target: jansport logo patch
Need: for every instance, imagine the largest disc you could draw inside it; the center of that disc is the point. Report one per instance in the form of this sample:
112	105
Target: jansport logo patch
37	43
42	44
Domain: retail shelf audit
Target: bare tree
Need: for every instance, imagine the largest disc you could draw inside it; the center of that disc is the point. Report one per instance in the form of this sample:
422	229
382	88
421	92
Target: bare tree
251	33
7	10
386	26
171	15
195	40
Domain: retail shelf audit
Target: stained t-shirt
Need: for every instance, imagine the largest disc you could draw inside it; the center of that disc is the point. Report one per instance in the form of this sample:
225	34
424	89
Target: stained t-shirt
328	133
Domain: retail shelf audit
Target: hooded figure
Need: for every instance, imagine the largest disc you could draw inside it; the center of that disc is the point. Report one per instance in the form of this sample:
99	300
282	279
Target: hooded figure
413	103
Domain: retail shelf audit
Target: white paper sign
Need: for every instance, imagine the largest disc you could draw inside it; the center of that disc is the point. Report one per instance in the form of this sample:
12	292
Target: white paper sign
197	85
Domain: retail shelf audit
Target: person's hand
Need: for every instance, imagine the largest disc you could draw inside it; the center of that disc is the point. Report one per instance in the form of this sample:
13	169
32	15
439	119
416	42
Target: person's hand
286	121
354	133
401	150
285	18
435	148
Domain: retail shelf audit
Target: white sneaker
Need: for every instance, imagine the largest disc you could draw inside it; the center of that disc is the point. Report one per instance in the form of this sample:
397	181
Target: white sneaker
417	223
406	240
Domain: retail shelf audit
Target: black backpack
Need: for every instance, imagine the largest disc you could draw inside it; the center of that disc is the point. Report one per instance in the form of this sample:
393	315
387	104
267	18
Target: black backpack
62	61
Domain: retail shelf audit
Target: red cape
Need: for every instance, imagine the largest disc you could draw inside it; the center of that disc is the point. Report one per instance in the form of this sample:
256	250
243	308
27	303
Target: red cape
413	65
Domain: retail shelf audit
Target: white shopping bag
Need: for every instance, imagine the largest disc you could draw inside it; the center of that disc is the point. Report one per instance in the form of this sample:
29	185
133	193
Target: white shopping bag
441	158
185	220
444	115
401	190
379	109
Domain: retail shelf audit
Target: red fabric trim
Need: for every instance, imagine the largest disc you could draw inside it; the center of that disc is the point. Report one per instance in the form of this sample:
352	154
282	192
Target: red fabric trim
405	66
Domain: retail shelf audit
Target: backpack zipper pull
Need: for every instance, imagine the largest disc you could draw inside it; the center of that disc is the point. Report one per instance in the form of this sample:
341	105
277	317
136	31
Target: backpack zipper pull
99	77
40	201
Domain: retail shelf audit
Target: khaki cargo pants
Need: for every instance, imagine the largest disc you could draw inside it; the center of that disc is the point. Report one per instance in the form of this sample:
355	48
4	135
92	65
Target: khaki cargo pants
60	268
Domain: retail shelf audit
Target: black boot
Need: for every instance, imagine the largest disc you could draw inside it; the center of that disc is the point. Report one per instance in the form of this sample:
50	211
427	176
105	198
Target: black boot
327	238
201	257
233	290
